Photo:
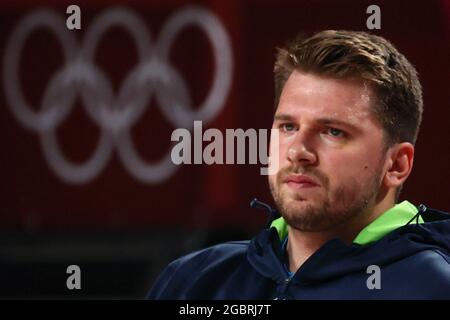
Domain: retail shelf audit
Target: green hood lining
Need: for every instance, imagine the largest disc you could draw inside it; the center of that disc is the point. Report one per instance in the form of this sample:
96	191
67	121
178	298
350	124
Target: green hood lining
394	218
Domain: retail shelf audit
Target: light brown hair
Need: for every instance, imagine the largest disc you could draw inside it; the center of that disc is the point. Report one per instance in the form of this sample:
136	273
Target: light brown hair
345	54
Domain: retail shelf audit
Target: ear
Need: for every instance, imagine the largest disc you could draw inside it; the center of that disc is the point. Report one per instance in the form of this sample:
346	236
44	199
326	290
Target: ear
399	164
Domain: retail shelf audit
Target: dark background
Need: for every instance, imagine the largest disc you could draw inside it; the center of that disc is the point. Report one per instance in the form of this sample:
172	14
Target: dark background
121	231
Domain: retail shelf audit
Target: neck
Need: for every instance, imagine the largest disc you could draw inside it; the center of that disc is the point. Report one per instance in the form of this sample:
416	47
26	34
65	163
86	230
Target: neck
302	244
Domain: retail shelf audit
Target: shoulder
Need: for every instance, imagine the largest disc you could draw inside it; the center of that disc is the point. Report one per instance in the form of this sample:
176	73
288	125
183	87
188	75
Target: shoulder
229	248
184	271
220	253
429	271
436	262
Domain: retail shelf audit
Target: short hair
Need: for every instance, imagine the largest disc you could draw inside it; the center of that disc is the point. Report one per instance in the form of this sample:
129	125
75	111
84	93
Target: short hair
345	54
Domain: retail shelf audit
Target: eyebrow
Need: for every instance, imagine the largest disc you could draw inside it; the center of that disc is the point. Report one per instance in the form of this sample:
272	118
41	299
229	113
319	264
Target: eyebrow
323	121
283	116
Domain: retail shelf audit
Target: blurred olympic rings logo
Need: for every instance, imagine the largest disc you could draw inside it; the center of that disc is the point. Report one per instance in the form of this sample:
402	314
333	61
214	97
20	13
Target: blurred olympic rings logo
114	113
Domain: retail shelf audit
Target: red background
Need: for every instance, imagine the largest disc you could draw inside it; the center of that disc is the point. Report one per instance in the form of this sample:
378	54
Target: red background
33	198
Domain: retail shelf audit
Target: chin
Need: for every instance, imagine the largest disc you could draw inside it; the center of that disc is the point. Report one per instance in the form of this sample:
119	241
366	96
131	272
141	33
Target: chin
301	198
298	207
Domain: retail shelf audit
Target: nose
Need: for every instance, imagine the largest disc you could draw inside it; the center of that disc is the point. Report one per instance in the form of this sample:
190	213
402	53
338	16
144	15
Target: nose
301	150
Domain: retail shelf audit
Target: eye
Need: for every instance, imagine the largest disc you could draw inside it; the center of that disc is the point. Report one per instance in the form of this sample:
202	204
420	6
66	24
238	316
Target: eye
287	127
335	132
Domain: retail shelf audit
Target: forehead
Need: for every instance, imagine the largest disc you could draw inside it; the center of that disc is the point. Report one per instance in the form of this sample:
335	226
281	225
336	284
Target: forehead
314	96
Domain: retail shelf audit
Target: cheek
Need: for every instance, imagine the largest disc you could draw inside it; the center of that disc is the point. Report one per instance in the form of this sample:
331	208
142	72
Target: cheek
280	149
351	169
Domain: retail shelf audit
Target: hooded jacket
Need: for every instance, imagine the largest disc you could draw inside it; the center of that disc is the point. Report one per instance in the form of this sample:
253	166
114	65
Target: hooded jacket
403	254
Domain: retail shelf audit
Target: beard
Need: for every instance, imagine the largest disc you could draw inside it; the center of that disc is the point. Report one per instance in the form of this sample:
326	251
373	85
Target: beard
326	209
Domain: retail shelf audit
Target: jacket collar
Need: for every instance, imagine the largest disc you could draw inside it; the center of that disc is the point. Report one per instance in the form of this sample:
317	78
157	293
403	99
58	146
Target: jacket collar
336	258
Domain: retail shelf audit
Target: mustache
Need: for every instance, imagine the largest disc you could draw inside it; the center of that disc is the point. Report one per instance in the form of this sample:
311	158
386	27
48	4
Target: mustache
310	172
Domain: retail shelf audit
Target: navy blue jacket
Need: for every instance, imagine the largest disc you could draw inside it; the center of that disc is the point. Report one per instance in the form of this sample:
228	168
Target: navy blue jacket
414	262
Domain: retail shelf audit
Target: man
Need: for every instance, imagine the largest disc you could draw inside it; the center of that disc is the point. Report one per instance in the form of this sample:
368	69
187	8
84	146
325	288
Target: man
348	111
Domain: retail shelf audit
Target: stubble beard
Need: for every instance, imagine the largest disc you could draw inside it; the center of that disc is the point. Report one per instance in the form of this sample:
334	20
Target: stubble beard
334	207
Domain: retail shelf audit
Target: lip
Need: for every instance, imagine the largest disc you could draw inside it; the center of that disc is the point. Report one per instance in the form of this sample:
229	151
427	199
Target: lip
300	181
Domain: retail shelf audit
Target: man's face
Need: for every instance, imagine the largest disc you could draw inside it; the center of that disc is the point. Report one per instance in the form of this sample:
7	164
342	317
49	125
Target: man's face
331	152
